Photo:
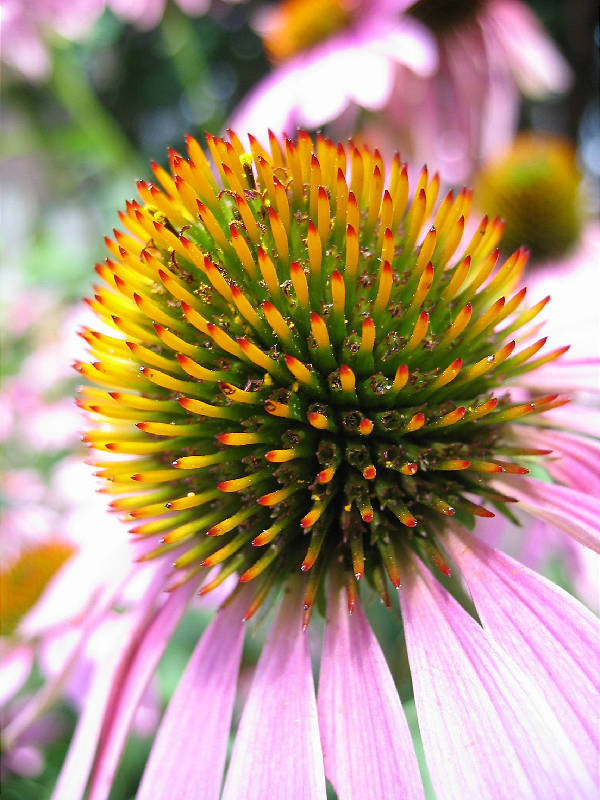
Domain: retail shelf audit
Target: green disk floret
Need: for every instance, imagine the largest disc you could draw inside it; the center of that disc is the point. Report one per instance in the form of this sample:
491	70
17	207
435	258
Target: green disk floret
298	376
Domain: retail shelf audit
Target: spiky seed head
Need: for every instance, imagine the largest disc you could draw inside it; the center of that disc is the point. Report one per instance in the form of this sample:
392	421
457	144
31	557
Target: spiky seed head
305	364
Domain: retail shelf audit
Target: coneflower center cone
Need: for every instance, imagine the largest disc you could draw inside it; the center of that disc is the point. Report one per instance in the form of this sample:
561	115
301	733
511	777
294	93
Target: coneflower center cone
298	375
536	187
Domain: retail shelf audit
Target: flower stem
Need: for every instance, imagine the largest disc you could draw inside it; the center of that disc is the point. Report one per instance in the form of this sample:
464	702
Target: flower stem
73	89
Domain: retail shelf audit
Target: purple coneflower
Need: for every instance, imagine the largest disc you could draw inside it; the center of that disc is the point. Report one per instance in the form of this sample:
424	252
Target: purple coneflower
458	66
305	391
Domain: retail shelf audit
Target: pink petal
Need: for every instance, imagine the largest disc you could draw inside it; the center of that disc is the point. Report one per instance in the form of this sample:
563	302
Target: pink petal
360	712
339	75
318	85
550	636
135	670
188	758
486	728
144	14
537	64
22	45
194	8
576	513
271	104
78	763
15	666
407	42
563	376
277	751
573	417
575	460
76	768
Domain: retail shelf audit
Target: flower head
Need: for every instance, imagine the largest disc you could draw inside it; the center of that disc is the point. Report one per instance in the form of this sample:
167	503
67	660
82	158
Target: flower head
535	187
22	583
299	380
293	26
308	381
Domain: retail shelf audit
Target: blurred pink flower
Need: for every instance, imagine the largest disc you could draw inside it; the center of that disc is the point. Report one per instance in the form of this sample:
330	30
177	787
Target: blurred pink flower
26	25
470	108
536	188
58	517
70	631
354	67
27	415
445	91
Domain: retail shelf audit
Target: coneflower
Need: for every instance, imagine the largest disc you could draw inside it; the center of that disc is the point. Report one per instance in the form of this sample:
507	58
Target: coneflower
441	79
24	578
535	186
307	386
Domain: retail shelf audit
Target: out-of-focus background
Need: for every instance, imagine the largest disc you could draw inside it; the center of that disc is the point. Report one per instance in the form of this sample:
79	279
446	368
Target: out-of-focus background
94	90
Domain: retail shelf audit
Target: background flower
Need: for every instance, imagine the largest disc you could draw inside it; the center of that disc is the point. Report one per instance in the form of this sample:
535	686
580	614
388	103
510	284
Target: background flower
457	68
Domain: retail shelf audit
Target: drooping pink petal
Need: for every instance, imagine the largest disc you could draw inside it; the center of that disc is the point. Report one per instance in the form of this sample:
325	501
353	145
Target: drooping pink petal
277	750
575	460
367	745
75	771
572	375
78	763
573	417
15	666
576	513
550	635
188	755
314	88
536	63
500	112
133	674
355	66
487	730
76	768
